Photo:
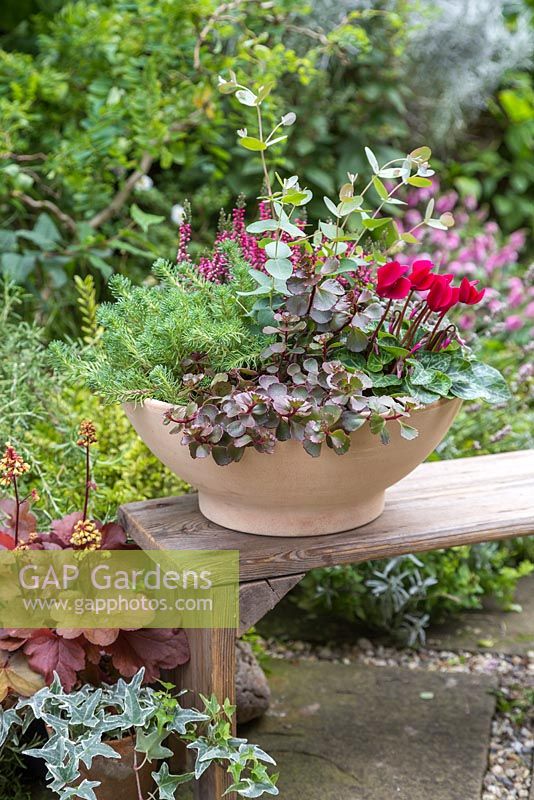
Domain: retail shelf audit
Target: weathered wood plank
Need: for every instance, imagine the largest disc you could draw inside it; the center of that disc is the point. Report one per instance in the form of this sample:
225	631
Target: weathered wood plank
440	504
211	670
259	597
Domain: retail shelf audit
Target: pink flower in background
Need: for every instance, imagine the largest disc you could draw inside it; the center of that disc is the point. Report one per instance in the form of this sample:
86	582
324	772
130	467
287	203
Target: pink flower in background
475	249
513	323
470	202
446	202
518	239
467	322
516	294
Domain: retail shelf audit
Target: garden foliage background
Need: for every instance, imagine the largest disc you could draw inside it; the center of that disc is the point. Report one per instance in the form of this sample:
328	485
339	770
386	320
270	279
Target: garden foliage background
111	120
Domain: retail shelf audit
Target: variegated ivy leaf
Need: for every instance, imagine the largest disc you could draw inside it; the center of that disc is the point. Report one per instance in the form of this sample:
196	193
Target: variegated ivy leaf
151	744
167	783
127	694
9	722
249	788
84	713
41	698
186	716
219	752
85	791
201	746
92	747
66	772
53	751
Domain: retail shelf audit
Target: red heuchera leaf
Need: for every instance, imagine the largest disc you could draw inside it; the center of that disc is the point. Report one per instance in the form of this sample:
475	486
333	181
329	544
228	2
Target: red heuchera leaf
63	528
27	520
48	653
7	541
152	648
113	536
13	638
98	636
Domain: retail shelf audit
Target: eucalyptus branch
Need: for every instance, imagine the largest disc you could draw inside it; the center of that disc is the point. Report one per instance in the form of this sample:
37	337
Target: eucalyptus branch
266	177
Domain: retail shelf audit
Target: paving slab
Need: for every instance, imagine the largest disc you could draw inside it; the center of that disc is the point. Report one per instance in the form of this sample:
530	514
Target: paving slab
365	733
492	628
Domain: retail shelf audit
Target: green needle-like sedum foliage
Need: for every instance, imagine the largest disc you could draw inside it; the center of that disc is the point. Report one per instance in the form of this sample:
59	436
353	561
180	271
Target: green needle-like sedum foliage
150	331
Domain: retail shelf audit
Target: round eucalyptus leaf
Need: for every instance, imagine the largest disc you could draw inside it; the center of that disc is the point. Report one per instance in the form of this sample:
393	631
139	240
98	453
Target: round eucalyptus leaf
278	249
279	268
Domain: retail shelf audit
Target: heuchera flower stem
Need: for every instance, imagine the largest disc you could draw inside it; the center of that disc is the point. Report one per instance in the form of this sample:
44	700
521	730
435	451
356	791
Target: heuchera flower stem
87	482
17	510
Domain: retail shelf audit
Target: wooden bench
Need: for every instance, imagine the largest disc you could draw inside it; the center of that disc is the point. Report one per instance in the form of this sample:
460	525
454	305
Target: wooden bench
441	504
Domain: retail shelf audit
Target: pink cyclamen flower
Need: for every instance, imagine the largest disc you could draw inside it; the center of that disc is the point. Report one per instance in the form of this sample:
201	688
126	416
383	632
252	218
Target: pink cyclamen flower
441	296
469	294
391	281
421	276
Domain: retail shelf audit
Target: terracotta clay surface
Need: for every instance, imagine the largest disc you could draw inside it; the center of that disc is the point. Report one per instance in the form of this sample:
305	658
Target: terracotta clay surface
289	493
117	776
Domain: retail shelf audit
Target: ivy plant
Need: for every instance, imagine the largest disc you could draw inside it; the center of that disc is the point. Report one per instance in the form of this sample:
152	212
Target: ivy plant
84	723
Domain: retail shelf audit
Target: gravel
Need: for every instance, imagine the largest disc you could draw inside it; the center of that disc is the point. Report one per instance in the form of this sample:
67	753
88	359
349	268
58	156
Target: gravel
511	748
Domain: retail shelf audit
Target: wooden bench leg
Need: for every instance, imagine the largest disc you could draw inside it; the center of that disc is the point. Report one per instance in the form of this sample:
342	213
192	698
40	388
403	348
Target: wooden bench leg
211	670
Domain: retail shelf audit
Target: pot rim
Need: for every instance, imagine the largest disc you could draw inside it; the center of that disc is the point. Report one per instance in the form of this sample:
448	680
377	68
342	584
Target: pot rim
165	405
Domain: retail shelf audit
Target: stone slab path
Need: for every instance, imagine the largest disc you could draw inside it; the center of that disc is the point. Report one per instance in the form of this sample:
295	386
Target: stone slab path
491	629
357	733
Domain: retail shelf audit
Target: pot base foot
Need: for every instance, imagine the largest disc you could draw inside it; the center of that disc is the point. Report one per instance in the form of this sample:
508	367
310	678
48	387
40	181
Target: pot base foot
279	521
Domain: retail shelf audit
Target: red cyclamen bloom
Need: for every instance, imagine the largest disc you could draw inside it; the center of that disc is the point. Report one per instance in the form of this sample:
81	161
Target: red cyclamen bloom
391	281
442	296
421	276
469	293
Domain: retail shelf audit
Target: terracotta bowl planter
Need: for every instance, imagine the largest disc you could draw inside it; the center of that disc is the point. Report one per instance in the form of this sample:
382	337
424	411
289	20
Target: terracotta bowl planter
290	493
117	777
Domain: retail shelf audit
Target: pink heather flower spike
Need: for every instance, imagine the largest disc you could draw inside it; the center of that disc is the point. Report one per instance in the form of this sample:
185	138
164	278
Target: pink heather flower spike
184	237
